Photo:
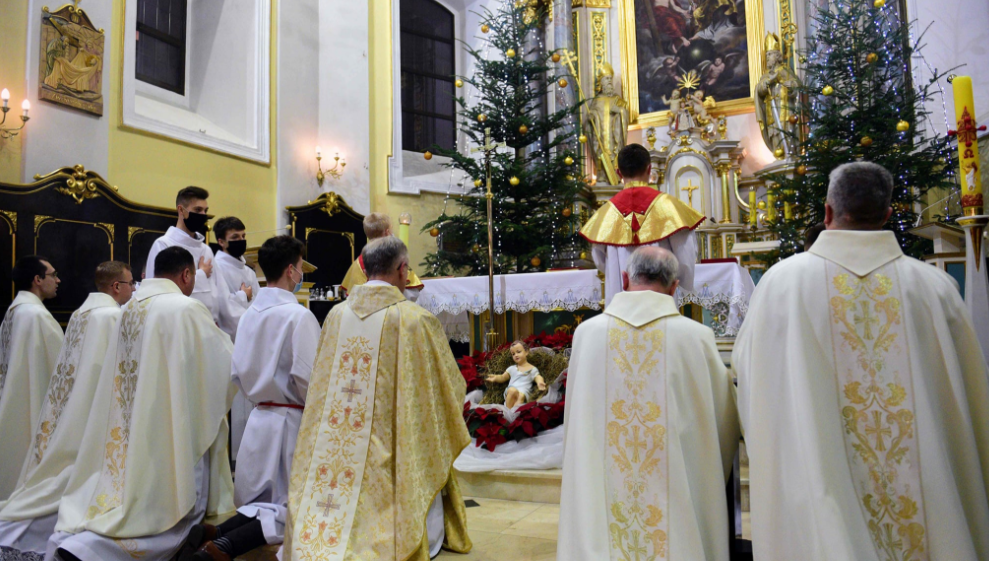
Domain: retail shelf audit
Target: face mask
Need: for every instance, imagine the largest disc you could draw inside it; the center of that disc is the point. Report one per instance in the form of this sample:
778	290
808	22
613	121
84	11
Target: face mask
237	248
298	285
196	222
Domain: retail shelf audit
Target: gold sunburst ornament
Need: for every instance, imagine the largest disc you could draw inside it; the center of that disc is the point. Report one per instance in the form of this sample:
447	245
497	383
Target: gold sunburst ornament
689	81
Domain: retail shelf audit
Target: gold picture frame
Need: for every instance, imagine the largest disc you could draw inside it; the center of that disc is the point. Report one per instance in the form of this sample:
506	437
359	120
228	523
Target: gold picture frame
754	33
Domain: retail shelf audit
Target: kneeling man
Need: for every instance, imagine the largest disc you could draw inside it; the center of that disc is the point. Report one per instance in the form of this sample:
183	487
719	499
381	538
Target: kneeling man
382	425
153	460
28	518
651	428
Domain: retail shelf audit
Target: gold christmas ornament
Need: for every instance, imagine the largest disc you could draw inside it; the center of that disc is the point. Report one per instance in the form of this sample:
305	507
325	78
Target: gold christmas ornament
459	83
485	28
793	119
434	232
482	117
510	53
761	205
476	249
778	153
879	3
828	90
428	155
866	141
583	255
536	261
567	211
562	82
555	57
871	57
523	129
568	160
801	170
477	182
514	181
803	60
903	126
582	138
570	178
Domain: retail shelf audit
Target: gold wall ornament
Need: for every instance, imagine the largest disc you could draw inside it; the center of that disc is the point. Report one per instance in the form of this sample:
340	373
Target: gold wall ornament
591	3
82	185
71	65
754	26
599	46
11	218
40	219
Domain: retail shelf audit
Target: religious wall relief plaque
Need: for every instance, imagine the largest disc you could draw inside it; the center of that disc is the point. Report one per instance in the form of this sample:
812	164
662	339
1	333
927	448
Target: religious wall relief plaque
71	71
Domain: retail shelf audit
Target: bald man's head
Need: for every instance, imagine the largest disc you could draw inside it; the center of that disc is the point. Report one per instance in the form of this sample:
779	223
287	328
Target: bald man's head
652	268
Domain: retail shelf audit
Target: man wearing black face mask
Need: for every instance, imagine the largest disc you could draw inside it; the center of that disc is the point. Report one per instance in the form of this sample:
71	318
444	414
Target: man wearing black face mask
190	234
240	281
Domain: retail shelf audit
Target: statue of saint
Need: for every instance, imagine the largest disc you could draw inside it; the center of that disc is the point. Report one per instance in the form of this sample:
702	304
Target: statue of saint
776	95
609	117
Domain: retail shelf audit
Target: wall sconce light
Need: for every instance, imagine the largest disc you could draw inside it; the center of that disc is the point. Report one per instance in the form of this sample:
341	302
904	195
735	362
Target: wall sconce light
335	172
404	220
6	133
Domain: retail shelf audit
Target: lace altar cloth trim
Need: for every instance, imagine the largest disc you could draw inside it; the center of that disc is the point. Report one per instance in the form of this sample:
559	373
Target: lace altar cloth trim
724	289
525	292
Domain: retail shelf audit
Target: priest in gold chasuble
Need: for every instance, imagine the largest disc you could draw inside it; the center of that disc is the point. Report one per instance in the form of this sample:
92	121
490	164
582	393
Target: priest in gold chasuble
376	226
382	426
863	393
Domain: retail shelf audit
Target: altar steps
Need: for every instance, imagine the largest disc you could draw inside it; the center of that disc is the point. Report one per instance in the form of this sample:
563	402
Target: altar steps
533	486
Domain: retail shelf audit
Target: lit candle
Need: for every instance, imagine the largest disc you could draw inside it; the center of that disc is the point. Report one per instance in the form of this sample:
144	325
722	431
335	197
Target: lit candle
26	106
5	96
753	208
404	220
319	152
968	147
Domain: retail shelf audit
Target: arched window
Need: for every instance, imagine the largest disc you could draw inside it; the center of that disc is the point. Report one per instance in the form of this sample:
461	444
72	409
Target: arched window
428	68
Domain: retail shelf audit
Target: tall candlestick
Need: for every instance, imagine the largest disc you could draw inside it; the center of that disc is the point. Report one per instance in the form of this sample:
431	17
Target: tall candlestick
771	207
404	220
753	210
968	146
787	208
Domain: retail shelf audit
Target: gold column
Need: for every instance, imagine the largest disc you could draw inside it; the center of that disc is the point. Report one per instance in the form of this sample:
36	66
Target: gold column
723	168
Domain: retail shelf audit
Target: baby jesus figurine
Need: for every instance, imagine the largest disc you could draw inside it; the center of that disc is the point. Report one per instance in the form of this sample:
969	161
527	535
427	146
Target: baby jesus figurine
522	376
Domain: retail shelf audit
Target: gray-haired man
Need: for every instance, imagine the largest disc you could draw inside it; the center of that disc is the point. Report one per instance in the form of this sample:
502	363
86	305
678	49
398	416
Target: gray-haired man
656	430
856	366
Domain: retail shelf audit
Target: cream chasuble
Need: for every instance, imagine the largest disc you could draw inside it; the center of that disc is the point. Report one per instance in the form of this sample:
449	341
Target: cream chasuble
651	434
66	408
382	425
30	340
160	406
863	392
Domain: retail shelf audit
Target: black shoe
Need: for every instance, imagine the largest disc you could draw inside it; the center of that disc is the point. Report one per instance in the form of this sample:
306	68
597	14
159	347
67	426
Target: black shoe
62	555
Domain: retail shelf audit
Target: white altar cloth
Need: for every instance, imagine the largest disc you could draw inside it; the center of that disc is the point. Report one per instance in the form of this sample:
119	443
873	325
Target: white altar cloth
719	288
451	299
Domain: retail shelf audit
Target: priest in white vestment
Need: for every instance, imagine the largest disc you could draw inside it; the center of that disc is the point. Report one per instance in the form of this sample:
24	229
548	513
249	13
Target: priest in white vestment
372	476
153	459
863	395
272	360
651	429
189	233
640	215
30	340
27	518
238	285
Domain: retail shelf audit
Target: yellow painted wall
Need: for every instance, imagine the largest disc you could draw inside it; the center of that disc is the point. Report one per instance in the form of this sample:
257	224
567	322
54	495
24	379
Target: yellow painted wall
151	170
424	207
13	42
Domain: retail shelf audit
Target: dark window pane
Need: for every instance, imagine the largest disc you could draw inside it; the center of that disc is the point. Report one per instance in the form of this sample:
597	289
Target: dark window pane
428	67
161	43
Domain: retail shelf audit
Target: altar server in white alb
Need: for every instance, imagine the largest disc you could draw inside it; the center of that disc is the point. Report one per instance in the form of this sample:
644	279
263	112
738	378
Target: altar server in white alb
240	282
28	518
190	233
30	340
651	428
153	459
863	392
238	285
272	360
640	215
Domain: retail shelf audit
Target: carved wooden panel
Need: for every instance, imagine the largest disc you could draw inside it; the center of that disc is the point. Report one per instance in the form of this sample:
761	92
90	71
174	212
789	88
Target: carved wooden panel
334	236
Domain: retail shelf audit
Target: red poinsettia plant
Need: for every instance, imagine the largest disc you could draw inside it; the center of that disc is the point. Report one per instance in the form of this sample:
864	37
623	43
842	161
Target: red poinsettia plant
489	427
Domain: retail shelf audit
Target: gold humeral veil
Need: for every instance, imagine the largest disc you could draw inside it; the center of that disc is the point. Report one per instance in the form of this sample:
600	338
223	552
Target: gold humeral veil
382	426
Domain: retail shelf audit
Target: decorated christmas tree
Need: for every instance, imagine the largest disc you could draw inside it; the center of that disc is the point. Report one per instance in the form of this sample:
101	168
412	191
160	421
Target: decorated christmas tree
859	102
535	178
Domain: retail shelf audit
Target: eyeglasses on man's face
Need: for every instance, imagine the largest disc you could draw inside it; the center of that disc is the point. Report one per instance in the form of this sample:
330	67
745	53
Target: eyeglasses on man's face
53	274
133	283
